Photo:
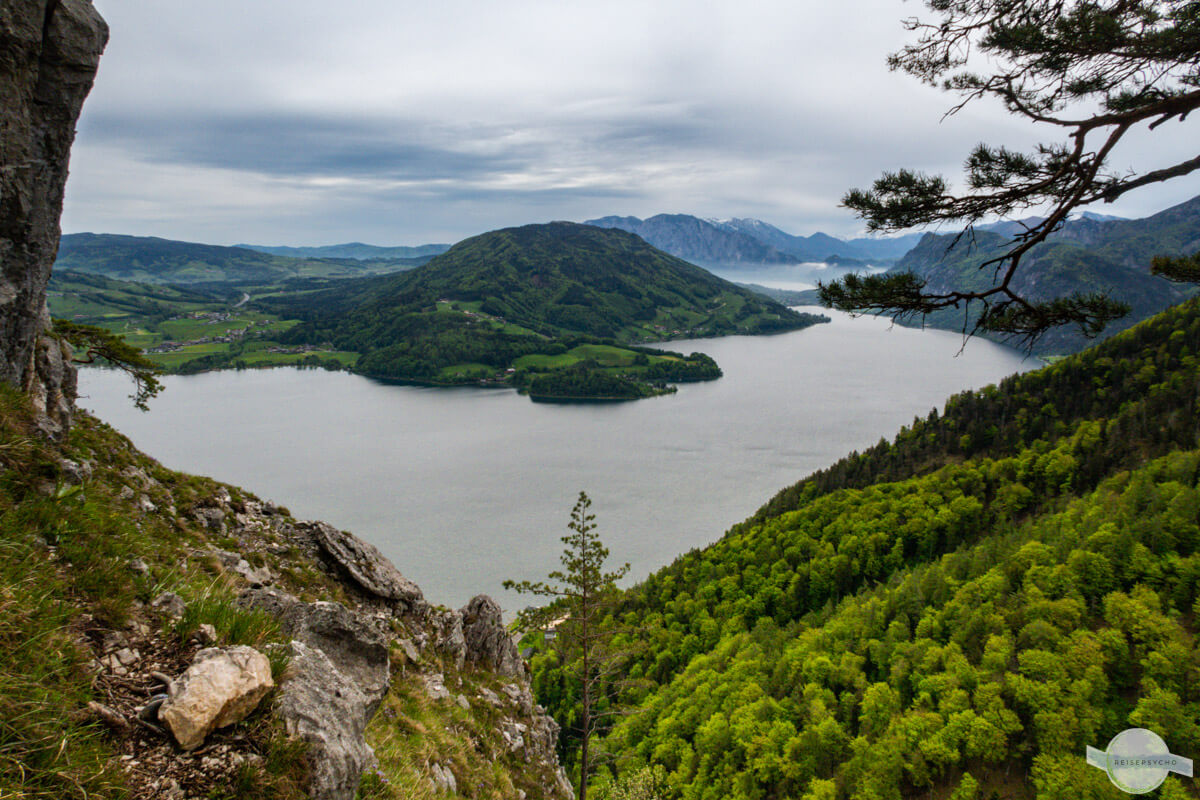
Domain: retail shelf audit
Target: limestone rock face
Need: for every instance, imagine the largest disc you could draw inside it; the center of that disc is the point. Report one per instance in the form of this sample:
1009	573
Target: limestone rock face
50	50
324	707
488	643
366	565
338	675
221	687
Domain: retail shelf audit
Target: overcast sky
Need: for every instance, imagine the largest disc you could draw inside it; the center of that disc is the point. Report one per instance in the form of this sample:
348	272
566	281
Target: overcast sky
398	122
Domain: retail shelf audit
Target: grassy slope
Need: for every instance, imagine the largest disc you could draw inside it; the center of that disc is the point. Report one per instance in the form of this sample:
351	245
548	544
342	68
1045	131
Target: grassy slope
70	580
146	315
1003	584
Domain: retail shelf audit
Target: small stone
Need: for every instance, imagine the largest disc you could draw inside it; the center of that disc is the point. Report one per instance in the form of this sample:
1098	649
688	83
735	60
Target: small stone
236	564
127	656
211	518
221	687
443	779
170	604
125	494
205	635
462	701
75	472
435	686
409	649
145	504
139	566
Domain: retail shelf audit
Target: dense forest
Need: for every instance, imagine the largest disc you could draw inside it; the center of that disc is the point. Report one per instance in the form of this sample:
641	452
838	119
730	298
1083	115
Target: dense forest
956	613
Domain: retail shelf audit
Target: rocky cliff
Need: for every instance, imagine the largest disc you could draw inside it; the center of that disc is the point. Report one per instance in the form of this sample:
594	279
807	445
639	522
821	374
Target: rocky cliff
49	51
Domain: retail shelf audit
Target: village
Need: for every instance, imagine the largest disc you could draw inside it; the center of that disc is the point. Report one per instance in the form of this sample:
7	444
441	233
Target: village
229	336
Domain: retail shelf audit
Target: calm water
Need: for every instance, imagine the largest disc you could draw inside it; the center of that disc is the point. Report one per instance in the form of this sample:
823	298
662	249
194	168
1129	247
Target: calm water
463	488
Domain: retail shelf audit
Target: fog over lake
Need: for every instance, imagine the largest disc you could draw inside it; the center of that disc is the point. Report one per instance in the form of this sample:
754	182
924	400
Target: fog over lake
465	487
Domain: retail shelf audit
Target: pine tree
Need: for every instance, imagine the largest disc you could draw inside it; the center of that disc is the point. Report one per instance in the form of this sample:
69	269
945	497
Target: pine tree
1093	71
584	594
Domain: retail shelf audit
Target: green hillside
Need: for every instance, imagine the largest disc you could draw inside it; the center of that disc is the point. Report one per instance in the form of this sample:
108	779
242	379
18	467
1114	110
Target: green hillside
954	614
496	300
1087	255
149	259
96	299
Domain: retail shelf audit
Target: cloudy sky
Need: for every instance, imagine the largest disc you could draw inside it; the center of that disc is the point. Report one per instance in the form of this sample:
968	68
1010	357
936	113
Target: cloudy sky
398	122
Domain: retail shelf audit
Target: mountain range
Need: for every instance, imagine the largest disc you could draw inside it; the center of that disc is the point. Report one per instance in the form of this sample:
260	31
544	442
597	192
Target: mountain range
1090	254
353	250
149	259
734	244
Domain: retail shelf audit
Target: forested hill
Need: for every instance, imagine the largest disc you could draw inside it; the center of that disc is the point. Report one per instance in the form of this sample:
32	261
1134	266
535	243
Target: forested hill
1088	254
517	303
149	259
957	613
560	278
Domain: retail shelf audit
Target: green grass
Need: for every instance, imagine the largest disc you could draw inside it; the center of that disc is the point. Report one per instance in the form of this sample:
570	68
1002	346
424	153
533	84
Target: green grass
540	360
411	732
65	566
605	355
261	358
177	357
468	370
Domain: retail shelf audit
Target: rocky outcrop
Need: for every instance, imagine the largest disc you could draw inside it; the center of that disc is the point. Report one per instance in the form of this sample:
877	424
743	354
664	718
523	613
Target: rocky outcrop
221	687
50	50
337	676
327	709
376	663
365	565
488	643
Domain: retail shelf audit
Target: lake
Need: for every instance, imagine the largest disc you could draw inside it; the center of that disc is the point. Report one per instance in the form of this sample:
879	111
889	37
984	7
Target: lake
465	487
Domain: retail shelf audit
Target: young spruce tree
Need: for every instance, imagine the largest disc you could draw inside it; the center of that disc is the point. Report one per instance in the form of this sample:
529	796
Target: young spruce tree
583	593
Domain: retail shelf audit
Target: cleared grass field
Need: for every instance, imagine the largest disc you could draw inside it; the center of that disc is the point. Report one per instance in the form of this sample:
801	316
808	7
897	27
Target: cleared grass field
469	370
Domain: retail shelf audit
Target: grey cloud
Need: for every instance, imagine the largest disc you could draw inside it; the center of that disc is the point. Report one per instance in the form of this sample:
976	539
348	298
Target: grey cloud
298	146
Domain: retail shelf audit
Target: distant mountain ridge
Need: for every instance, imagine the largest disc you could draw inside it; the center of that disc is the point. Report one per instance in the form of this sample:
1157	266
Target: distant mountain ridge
740	243
150	259
1090	253
700	241
354	250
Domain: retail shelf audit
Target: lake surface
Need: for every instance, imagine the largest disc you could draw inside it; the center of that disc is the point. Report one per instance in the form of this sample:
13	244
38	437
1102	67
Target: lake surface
465	487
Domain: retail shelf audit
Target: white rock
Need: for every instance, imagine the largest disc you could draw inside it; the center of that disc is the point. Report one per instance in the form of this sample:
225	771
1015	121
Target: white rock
435	686
221	687
443	779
